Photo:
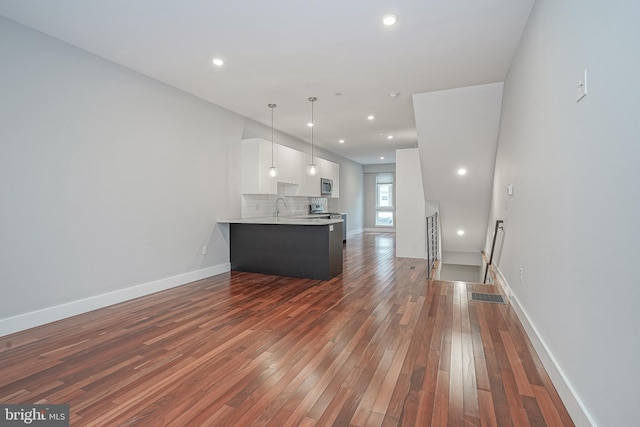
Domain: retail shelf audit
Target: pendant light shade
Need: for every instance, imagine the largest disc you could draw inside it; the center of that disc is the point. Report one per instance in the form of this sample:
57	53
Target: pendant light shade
273	171
312	169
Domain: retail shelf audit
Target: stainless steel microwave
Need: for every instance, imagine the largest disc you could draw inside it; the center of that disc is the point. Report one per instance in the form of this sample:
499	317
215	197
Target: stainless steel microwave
326	186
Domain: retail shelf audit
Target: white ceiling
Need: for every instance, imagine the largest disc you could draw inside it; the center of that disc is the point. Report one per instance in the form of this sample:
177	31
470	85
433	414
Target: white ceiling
283	51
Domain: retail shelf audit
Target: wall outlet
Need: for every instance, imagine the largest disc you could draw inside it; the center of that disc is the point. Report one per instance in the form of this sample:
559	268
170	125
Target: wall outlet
205	250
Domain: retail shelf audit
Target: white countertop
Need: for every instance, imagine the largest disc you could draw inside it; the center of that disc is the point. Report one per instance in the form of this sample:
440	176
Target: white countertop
284	220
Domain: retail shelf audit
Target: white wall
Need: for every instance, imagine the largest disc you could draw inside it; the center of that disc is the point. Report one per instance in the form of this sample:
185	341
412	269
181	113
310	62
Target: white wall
111	182
369	191
460	273
462	258
459	128
572	223
108	180
351	199
411	225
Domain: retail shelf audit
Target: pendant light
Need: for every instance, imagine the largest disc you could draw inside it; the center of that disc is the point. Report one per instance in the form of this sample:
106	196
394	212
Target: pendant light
273	171
312	169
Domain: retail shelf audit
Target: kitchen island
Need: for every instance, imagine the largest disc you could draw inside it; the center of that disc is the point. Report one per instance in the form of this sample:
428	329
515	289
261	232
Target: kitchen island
285	246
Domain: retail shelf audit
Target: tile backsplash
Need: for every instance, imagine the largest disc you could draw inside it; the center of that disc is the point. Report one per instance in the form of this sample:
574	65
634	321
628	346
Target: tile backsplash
264	205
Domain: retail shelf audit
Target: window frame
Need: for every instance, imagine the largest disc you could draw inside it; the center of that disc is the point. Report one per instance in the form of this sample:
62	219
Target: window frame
387	180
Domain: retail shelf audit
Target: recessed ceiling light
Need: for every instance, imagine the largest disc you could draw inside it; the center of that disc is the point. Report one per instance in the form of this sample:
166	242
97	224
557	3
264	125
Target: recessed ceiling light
462	171
217	62
460	232
310	124
370	117
381	157
389	19
341	141
338	93
390	137
394	95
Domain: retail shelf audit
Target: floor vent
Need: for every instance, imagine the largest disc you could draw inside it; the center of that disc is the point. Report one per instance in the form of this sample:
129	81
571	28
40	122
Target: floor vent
413	267
477	296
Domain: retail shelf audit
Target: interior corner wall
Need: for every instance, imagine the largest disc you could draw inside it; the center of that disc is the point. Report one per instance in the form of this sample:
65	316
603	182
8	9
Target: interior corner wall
571	224
411	226
351	200
369	201
108	179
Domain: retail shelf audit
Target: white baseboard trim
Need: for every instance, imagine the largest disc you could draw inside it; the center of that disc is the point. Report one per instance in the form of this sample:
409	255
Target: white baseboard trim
579	413
380	230
32	319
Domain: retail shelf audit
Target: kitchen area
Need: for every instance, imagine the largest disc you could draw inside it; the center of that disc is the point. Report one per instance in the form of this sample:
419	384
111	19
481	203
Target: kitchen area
286	226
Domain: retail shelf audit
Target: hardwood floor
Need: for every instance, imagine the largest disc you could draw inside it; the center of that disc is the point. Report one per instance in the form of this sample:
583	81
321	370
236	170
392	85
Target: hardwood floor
378	345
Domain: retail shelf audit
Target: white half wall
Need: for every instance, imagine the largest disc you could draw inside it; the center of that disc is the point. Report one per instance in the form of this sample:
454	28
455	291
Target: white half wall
571	224
462	258
410	206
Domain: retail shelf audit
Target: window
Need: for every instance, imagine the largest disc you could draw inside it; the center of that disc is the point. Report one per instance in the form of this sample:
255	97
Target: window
384	200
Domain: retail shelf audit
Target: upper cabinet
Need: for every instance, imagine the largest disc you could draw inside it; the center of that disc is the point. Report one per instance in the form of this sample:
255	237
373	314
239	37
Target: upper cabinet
332	171
326	169
253	170
292	179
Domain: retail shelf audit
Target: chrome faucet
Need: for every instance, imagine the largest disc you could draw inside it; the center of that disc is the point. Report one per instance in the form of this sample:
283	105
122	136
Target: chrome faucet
285	205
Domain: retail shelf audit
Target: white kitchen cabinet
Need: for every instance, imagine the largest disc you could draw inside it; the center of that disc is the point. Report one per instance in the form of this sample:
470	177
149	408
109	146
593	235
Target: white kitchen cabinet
335	176
292	180
255	160
310	185
288	161
330	171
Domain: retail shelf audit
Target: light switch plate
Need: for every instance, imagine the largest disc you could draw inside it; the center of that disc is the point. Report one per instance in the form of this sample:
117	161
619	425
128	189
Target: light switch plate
582	85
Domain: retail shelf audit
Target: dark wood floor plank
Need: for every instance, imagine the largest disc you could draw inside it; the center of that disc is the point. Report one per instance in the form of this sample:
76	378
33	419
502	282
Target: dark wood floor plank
385	392
379	345
522	381
440	415
549	412
487	411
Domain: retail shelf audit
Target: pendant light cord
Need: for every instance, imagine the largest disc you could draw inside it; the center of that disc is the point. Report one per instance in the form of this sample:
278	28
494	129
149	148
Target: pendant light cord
271	106
312	99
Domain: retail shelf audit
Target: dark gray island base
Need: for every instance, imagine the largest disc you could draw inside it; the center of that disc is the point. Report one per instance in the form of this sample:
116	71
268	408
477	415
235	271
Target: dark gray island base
312	251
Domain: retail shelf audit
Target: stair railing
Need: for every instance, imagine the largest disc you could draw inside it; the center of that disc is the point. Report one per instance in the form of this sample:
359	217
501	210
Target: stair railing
431	242
499	225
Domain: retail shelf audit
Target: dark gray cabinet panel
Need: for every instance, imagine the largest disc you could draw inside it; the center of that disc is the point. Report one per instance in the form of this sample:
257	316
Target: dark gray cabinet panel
313	251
